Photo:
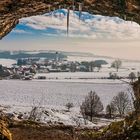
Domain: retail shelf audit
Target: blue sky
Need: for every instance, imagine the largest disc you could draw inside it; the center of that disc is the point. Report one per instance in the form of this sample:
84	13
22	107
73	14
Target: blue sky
96	34
95	27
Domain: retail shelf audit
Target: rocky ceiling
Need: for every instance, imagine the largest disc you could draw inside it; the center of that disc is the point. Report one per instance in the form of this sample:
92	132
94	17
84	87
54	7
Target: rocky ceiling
12	10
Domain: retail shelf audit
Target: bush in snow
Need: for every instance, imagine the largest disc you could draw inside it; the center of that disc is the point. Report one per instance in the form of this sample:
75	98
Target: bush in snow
113	76
69	106
35	114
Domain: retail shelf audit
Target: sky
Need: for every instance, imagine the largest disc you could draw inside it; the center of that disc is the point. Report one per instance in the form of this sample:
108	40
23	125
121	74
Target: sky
105	36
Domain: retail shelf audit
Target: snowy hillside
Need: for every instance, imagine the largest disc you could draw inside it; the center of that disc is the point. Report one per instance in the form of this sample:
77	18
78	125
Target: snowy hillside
90	26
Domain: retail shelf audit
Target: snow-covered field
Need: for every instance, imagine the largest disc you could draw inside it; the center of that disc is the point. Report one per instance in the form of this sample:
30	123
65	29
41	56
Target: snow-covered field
60	88
127	67
20	96
7	62
53	94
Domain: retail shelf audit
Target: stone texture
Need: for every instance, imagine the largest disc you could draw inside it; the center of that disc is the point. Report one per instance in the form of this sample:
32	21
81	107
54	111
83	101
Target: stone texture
12	10
4	132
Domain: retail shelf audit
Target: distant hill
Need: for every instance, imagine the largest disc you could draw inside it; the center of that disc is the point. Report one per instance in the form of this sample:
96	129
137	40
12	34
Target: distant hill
48	55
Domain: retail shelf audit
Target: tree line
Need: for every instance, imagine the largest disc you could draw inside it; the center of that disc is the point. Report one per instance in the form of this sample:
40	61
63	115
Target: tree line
92	106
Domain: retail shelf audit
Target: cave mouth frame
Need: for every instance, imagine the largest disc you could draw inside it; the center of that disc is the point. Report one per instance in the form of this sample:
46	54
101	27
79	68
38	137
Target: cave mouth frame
13	10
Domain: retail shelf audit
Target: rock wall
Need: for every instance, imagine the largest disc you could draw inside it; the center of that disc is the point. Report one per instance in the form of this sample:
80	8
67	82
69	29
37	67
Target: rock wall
12	10
4	132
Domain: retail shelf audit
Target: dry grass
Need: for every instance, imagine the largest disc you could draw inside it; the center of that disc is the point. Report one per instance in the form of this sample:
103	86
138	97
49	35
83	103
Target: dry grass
38	132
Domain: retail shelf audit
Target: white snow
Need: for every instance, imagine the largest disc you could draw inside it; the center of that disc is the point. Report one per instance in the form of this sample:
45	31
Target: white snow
56	117
94	77
7	62
53	93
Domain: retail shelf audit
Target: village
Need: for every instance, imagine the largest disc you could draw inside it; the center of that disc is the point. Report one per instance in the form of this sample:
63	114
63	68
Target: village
26	68
37	68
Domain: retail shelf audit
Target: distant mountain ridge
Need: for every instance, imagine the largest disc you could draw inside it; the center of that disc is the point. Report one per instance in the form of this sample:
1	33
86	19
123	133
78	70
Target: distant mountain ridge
8	55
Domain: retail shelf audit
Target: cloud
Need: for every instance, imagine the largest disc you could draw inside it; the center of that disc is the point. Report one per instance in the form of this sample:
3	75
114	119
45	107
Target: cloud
90	26
19	31
36	26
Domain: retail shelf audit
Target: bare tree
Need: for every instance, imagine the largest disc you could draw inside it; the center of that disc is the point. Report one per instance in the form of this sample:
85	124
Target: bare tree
99	66
116	64
122	103
92	66
73	67
110	110
132	77
37	109
83	111
91	106
138	74
113	76
35	114
69	106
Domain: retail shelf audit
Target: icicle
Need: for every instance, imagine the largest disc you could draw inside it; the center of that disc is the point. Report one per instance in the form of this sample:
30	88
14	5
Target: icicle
68	14
73	5
80	10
